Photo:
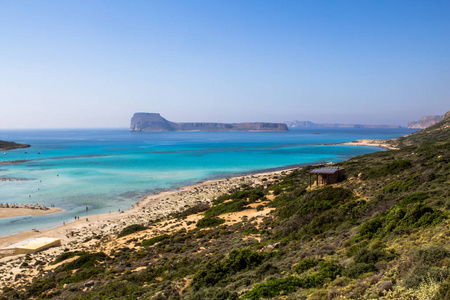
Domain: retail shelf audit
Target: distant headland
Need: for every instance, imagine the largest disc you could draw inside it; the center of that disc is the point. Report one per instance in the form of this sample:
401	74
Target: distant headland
153	122
308	124
11	145
425	122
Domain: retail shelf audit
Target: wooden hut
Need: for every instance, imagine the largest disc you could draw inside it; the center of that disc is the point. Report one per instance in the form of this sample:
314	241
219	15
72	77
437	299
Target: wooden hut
327	175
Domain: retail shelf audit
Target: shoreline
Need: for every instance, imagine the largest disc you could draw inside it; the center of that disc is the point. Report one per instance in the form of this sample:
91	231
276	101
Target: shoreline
368	142
13	212
150	208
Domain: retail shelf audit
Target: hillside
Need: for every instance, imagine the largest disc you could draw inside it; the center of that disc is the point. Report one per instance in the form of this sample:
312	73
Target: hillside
383	233
424	122
154	122
440	131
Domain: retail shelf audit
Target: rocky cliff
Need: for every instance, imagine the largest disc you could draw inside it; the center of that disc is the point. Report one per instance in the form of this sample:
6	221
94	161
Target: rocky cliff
425	122
153	122
308	124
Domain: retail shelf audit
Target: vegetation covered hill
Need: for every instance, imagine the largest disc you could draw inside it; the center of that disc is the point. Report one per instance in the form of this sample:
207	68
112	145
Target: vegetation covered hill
437	132
11	145
383	233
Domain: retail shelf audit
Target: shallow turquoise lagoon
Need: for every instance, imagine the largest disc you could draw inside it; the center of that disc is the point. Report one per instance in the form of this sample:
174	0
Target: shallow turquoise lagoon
111	169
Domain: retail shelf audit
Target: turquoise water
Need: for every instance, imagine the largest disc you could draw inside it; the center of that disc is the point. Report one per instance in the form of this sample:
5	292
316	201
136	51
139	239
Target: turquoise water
111	169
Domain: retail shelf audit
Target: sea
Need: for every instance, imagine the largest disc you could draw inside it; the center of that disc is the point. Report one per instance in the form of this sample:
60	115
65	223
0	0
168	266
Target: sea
111	169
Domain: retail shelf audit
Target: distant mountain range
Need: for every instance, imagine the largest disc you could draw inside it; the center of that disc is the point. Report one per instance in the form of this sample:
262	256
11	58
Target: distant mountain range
153	122
308	124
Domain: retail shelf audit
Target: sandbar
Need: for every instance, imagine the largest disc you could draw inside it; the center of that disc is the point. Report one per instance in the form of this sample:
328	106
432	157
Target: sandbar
19	212
366	142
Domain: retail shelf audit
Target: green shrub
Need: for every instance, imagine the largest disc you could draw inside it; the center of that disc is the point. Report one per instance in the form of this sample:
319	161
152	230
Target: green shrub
66	255
444	290
354	270
85	261
414	198
131	229
432	255
227	207
388	169
83	275
323	199
290	284
369	256
305	264
213	293
238	260
252	195
209	222
154	240
418	273
274	287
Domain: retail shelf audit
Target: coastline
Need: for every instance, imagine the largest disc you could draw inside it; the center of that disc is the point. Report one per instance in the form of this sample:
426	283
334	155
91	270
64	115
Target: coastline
100	231
367	142
150	208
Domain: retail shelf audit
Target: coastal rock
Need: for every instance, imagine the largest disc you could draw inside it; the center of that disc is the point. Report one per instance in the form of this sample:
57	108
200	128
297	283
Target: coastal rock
309	124
425	122
153	122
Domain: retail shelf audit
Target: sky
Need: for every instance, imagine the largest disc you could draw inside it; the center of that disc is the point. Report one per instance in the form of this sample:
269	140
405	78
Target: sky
78	64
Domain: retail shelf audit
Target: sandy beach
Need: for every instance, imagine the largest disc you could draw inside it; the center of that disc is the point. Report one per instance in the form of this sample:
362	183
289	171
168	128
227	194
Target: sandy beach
18	212
375	143
100	231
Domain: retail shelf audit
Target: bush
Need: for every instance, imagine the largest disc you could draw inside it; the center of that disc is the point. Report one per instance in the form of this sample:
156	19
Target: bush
354	270
369	256
252	195
154	240
444	290
305	264
209	222
131	229
388	169
83	275
238	260
66	255
418	273
213	293
201	207
290	284
85	261
274	287
432	255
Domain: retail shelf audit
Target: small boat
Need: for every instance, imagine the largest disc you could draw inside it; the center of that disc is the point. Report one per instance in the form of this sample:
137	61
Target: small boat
39	153
4	153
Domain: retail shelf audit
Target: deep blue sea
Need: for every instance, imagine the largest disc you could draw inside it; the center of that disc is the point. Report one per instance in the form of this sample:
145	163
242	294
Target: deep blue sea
111	169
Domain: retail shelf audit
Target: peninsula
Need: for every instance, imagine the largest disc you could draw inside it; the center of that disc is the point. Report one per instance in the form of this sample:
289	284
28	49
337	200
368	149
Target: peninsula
308	124
11	145
153	122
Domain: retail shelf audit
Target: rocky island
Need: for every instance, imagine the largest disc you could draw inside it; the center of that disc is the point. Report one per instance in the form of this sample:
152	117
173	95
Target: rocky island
153	122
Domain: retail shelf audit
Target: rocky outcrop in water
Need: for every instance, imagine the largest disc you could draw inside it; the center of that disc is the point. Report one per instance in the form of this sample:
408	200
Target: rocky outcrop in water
425	122
153	122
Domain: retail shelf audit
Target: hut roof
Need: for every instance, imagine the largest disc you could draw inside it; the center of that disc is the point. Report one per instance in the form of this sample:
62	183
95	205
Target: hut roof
327	170
35	244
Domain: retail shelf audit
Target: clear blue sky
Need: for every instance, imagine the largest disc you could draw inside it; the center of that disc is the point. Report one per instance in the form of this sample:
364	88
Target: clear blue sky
95	63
